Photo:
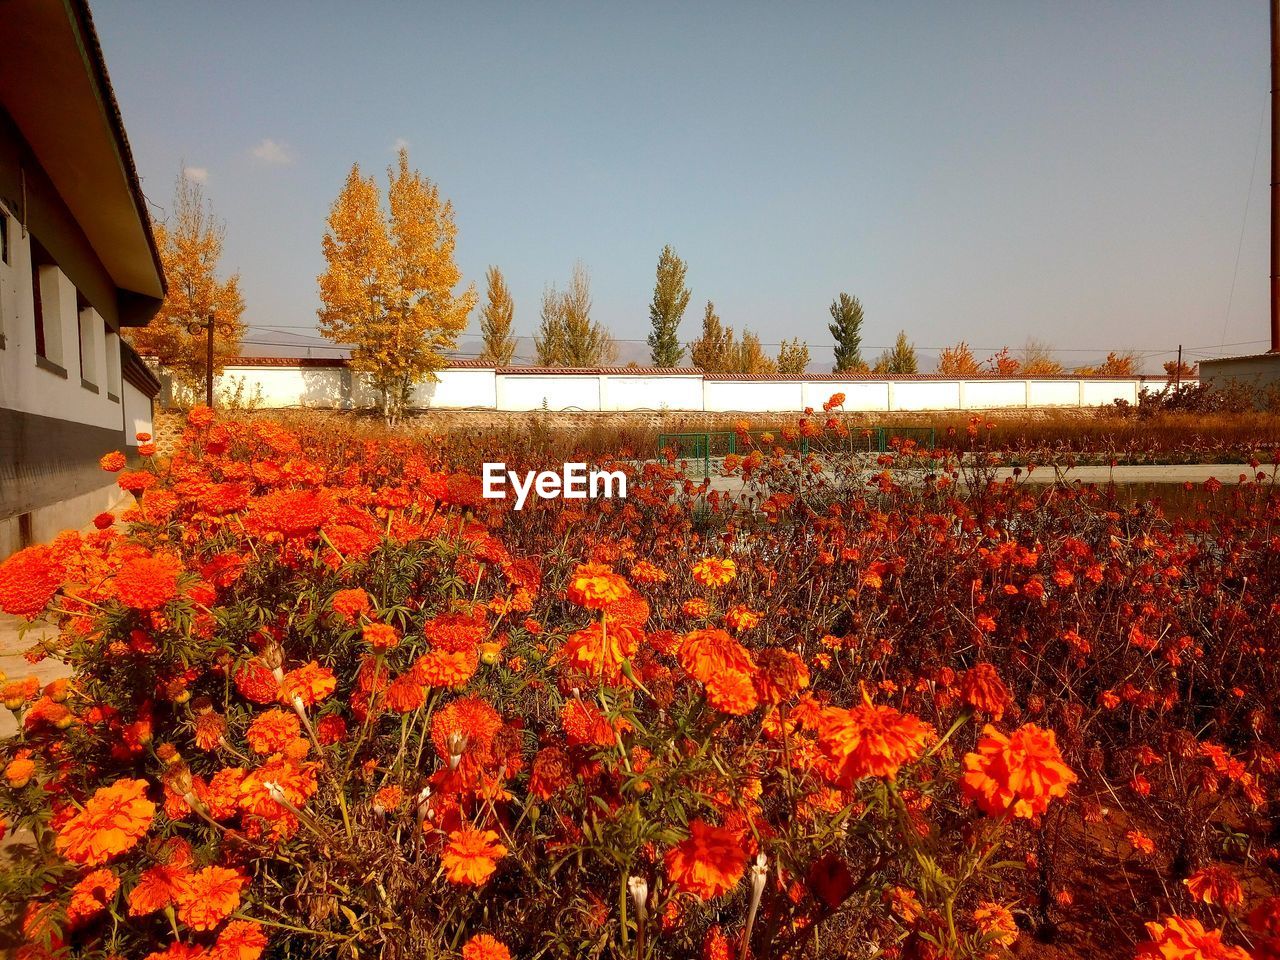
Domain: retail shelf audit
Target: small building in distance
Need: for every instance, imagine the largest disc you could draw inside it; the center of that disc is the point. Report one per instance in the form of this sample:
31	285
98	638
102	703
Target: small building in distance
1259	372
78	262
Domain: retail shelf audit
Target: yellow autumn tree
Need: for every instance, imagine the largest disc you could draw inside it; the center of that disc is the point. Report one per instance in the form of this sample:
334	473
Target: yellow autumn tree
958	361
190	245
388	291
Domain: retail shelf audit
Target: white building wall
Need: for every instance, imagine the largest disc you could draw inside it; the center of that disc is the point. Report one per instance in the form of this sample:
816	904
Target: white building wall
652	393
563	392
487	389
25	385
458	389
994	394
724	396
137	414
925	395
1053	393
1098	393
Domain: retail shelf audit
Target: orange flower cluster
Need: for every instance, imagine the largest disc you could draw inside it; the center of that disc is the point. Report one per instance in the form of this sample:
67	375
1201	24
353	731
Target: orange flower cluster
112	821
871	740
707	864
1180	938
28	581
596	586
471	856
1018	774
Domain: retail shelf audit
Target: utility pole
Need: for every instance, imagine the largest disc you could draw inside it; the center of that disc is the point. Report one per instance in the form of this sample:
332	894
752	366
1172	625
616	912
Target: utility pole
208	324
1177	373
1275	177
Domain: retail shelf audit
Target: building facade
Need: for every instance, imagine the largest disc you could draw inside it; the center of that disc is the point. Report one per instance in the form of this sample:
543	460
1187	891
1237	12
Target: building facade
78	263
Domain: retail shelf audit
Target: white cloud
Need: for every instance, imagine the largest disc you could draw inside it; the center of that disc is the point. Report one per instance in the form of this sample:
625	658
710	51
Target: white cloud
400	144
273	152
196	174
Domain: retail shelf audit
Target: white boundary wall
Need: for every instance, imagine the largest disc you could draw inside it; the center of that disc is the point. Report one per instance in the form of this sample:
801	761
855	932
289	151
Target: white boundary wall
282	384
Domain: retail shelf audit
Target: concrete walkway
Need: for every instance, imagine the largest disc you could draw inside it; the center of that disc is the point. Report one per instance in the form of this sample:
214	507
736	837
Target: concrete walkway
14	642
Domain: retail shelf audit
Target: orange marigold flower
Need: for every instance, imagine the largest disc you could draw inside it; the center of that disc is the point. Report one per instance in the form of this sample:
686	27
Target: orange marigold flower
309	683
706	653
983	690
601	649
781	674
271	731
1019	773
1181	938
442	668
159	886
296	783
646	572
585	724
148	583
406	693
113	821
135	481
112	462
256	682
18	772
741	617
595	586
471	856
708	863
381	636
388	798
1140	842
996	924
870	740
470	721
732	692
714	572
90	896
1216	886
200	416
210	896
239	940
211	727
484	947
28	581
550	774
695	607
350	604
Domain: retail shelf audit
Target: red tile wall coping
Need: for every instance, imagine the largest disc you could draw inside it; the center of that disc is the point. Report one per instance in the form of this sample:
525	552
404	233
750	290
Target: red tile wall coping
338	362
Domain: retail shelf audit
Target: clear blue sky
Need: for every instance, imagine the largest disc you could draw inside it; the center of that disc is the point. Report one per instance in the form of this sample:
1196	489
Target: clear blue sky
1076	172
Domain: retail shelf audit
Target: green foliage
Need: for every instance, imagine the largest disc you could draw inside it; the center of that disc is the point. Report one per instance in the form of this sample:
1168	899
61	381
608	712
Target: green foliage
846	327
901	358
670	298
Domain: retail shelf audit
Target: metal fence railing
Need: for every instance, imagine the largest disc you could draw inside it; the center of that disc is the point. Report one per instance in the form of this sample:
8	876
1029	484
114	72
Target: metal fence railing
717	444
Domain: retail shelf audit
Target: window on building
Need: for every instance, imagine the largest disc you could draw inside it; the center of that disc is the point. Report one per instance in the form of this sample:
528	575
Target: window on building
37	307
112	369
6	274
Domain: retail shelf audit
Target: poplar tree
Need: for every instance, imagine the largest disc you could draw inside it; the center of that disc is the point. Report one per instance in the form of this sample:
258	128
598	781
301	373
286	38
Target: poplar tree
711	351
793	356
496	320
190	245
670	298
388	290
846	327
900	358
568	337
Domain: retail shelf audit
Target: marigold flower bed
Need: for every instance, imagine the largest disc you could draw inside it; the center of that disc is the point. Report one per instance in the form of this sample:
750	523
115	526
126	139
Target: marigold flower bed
328	701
